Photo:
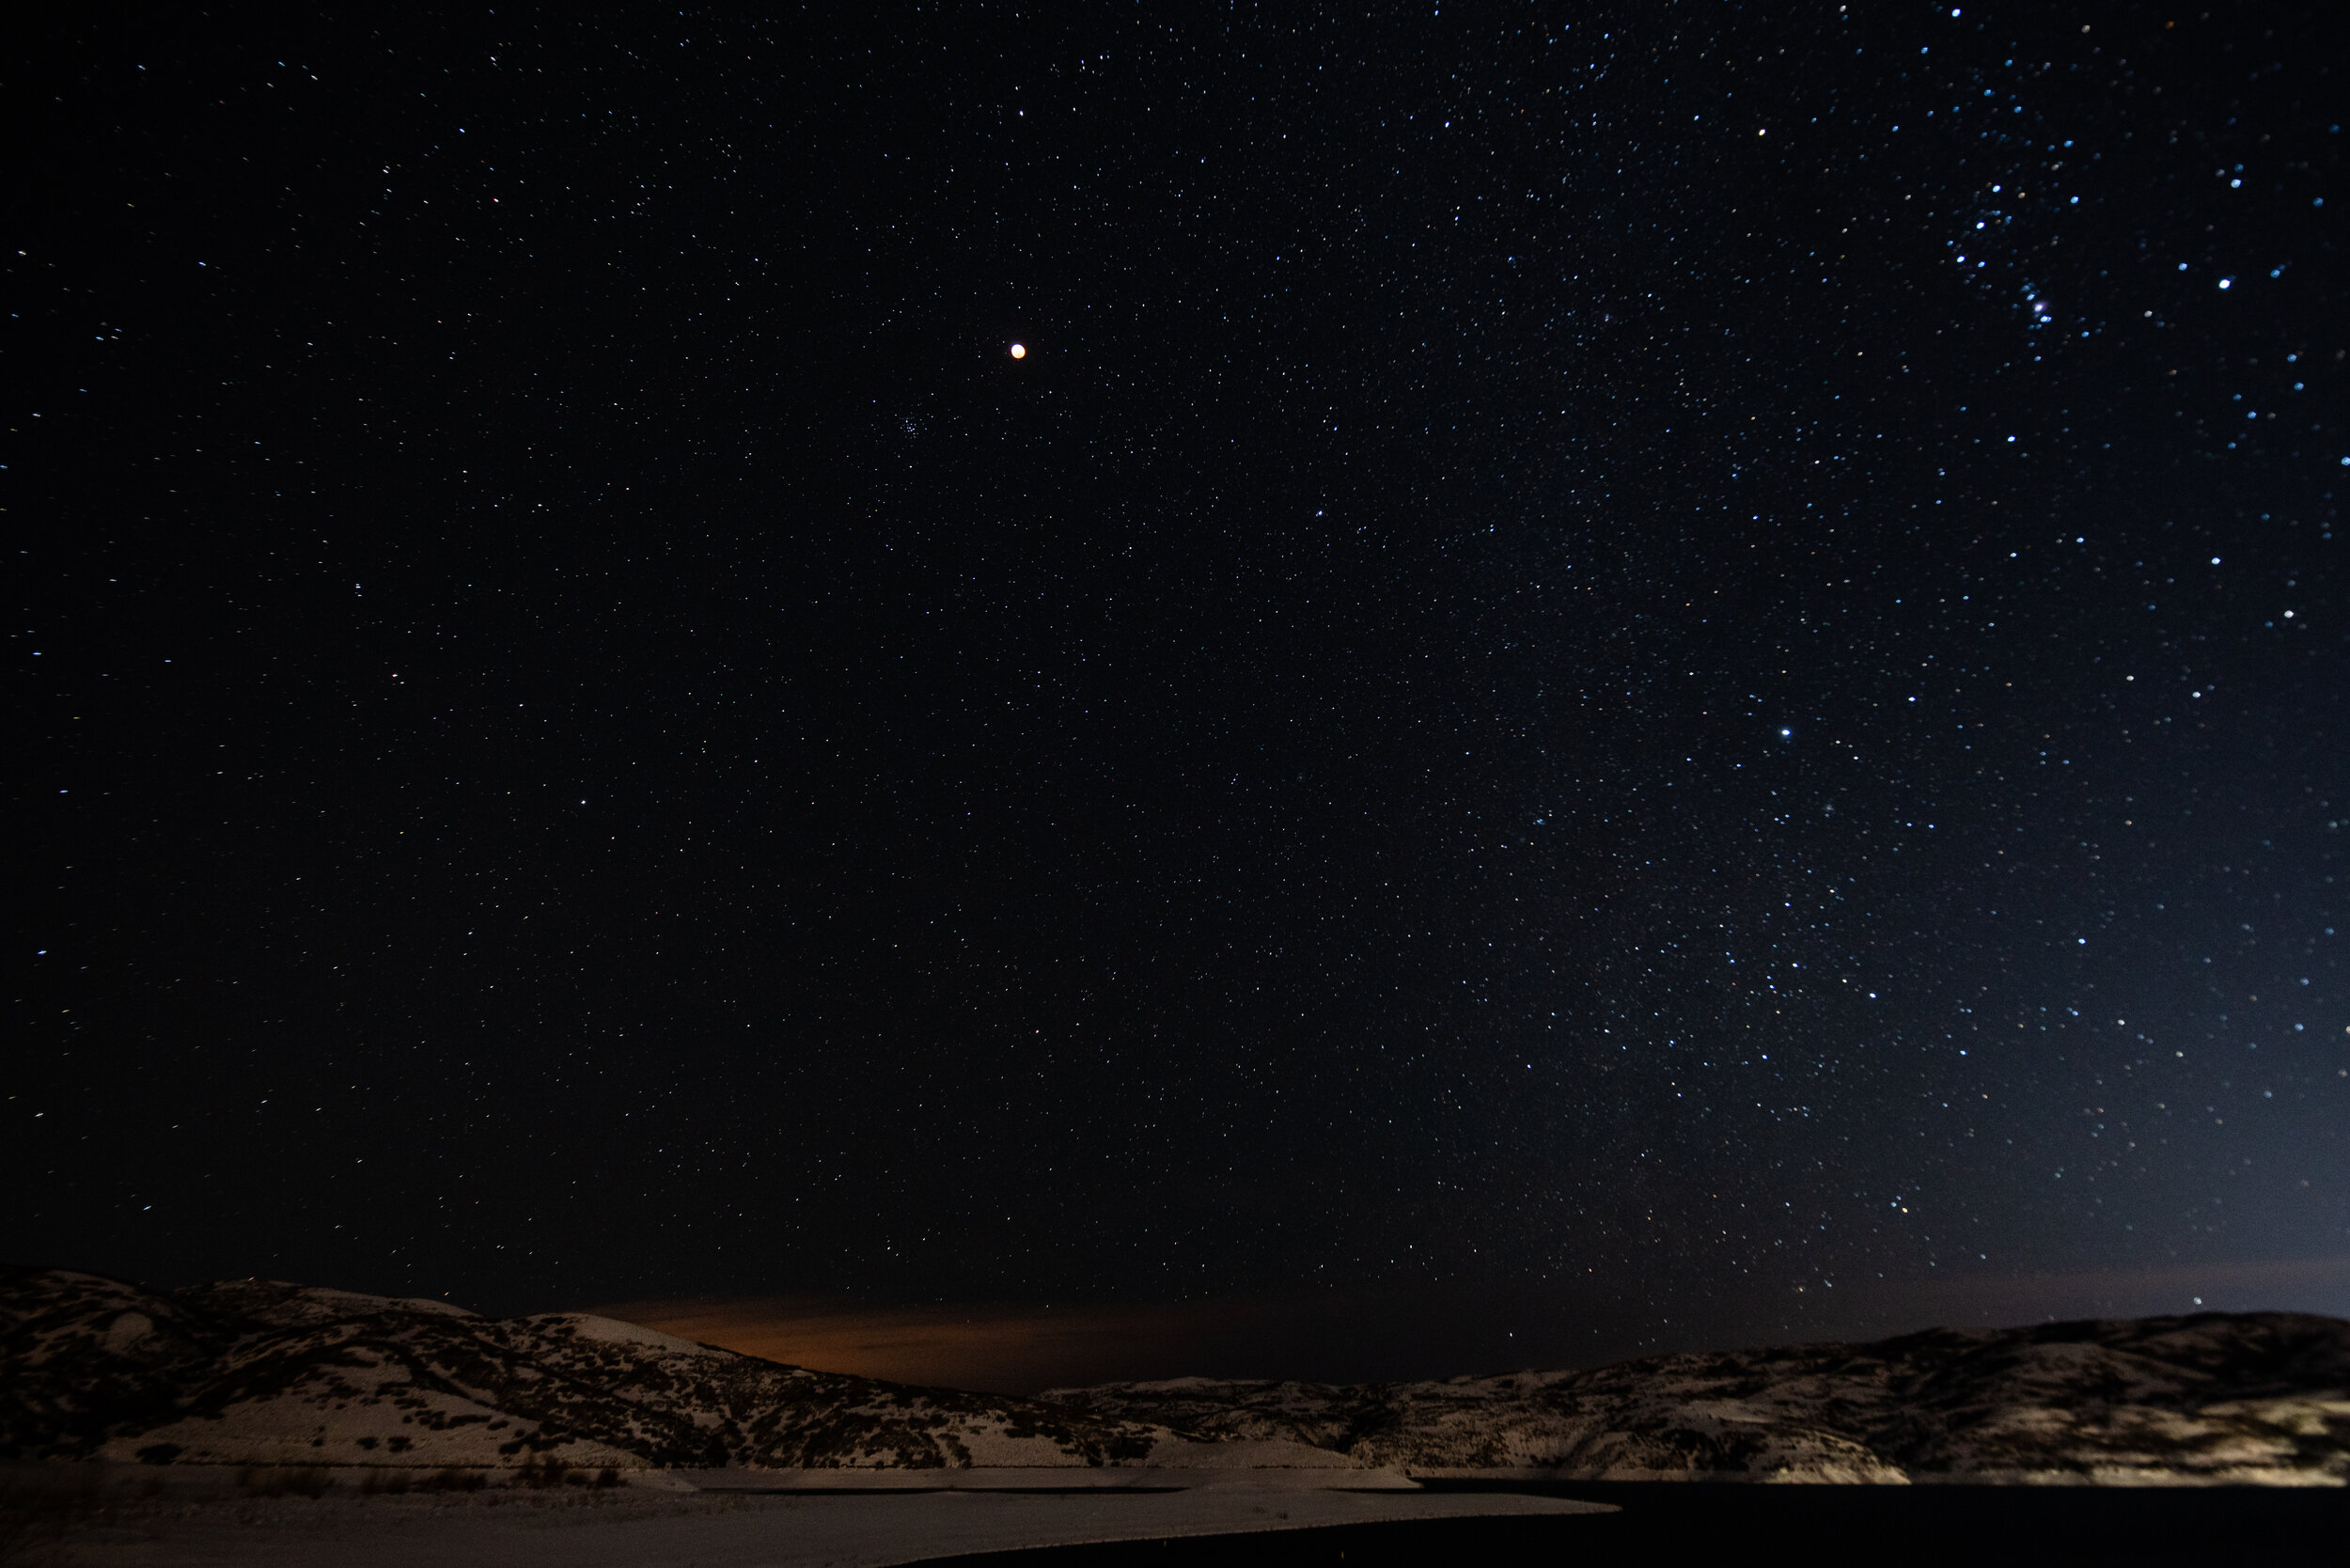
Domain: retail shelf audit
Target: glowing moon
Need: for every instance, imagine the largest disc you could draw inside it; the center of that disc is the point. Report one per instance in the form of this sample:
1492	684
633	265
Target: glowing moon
1020	350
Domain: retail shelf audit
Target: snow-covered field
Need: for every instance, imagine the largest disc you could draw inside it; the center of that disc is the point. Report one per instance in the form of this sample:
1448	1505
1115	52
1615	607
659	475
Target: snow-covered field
125	1519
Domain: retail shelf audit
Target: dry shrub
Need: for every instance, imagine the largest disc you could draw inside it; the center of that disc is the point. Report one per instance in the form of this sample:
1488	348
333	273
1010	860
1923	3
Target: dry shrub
285	1480
547	1472
385	1482
452	1478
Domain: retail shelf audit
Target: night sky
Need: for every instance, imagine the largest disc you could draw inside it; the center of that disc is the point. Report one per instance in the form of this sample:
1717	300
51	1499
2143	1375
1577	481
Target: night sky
1693	654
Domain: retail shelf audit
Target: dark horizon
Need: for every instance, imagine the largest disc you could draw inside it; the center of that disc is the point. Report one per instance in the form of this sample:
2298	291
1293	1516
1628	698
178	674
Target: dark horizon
1399	1335
1698	653
1403	1334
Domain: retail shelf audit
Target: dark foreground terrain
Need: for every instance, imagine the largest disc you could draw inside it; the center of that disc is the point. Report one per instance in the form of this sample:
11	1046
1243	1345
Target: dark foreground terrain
1896	1526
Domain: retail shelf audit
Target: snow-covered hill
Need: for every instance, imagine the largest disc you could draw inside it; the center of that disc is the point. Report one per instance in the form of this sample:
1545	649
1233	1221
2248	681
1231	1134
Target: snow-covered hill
250	1373
2260	1397
258	1372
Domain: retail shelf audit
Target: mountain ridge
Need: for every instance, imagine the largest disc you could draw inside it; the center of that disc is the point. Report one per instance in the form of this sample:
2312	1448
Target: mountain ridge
2215	1397
257	1372
265	1373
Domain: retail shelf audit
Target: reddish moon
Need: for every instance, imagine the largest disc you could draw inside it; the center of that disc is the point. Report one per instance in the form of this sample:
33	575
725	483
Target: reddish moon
1020	350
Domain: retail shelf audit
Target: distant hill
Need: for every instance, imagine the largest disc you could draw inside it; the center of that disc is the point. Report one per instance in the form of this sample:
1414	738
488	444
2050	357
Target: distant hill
2260	1397
256	1373
252	1372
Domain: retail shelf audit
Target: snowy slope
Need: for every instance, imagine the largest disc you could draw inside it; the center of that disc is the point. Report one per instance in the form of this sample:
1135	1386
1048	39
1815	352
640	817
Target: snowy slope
2260	1397
259	1373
